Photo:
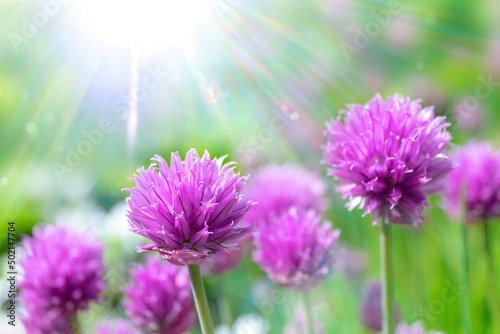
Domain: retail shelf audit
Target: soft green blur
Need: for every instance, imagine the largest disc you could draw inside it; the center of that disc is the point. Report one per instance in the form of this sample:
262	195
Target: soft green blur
258	82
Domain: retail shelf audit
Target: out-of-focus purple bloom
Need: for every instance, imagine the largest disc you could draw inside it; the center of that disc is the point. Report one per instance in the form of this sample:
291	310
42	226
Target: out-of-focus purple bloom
295	249
278	188
388	155
468	116
221	262
371	307
53	321
189	210
159	298
63	272
118	326
350	261
415	328
479	171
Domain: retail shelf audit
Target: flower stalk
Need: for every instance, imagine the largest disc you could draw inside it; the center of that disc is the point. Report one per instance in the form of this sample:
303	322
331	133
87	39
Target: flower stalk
200	299
386	278
464	269
491	297
464	280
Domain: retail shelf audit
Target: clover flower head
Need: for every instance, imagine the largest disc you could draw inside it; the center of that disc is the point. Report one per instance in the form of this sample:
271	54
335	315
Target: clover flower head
388	156
190	209
295	249
477	171
159	298
63	272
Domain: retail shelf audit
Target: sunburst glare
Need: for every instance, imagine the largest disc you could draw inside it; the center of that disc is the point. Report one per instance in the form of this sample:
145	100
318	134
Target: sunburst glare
147	23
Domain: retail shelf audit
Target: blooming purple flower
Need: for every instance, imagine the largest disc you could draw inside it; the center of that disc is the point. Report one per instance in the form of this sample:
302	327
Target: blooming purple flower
189	210
295	249
118	326
479	171
416	328
371	307
278	188
388	157
63	272
221	262
159	298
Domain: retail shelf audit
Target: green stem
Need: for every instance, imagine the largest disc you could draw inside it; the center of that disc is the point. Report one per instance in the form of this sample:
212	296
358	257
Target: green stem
491	294
200	299
464	279
307	309
386	279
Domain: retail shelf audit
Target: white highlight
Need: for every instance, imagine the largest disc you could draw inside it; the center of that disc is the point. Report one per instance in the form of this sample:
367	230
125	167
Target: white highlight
133	100
144	23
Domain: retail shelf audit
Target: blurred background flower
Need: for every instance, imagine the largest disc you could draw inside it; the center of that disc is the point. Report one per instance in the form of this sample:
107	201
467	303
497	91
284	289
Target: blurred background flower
295	249
477	177
159	298
63	272
350	262
371	307
219	263
276	189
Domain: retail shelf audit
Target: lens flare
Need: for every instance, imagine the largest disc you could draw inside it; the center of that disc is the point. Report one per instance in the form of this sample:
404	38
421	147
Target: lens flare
146	23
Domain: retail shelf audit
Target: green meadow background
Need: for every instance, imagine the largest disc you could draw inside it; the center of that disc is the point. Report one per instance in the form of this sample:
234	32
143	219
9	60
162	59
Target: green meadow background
258	83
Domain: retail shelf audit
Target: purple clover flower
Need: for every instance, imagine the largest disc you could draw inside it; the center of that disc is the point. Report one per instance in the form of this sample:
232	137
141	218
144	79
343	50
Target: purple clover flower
278	188
478	169
415	328
159	298
118	326
189	210
63	272
371	307
295	249
389	156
